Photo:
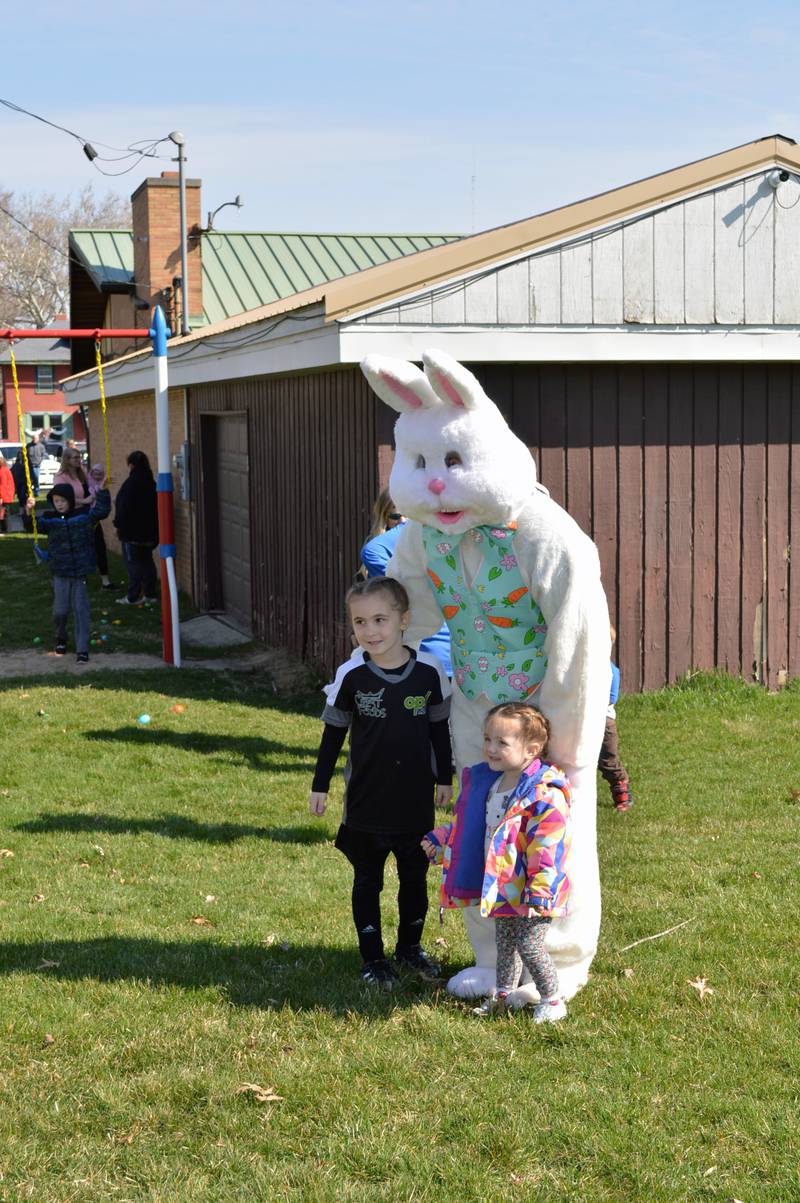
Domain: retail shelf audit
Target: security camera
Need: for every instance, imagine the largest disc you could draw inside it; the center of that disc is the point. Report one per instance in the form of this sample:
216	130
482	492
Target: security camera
776	177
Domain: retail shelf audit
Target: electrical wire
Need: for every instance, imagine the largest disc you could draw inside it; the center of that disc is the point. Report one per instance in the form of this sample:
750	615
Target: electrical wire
121	153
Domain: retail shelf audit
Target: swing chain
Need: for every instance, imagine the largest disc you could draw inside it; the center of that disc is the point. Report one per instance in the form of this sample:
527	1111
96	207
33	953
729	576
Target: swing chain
101	385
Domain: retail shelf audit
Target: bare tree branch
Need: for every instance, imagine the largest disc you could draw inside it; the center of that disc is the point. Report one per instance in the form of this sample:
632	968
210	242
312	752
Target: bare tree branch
34	266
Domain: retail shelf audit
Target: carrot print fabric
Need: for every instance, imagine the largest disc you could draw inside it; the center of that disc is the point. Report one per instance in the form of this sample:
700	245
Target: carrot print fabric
497	629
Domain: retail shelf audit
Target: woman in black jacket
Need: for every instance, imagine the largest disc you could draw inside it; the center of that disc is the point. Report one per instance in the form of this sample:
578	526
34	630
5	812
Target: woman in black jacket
136	520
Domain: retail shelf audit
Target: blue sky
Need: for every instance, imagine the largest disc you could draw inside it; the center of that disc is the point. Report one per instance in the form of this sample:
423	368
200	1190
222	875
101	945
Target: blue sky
417	116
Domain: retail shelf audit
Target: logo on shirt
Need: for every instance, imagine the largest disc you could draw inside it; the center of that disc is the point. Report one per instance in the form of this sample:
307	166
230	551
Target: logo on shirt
370	704
417	704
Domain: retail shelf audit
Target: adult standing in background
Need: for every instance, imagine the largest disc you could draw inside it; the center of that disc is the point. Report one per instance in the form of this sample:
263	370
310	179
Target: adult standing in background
6	493
37	451
136	520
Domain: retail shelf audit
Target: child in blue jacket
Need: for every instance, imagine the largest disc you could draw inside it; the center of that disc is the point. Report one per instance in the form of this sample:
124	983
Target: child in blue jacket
71	554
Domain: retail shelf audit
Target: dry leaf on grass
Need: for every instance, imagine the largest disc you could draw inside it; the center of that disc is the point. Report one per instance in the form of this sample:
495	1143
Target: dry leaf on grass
38	898
260	1094
701	986
201	921
628	971
211	898
6	853
48	1040
48	965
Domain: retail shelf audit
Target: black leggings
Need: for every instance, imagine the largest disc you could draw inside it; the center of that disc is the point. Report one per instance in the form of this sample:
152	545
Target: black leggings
368	854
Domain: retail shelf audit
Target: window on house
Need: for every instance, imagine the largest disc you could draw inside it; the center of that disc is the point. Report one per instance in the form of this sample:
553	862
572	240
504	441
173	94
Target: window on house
45	378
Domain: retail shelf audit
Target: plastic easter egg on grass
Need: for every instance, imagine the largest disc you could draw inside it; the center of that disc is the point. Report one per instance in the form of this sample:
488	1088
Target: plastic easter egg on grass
103	638
37	639
117	622
143	720
178	708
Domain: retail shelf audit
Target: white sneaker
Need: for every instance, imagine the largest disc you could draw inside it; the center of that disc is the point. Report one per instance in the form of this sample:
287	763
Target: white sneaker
549	1011
123	601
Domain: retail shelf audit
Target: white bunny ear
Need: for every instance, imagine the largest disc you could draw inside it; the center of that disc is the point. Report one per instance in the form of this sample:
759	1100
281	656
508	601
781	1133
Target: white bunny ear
398	383
452	382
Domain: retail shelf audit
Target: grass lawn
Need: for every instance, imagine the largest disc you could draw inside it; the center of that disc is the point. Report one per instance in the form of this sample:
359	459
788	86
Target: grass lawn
26	608
176	927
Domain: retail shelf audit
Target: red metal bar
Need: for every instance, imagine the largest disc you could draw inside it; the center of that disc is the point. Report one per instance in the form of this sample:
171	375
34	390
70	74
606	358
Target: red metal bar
95	334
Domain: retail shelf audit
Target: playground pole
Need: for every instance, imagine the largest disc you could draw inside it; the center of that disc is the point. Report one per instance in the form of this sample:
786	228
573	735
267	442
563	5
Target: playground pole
166	512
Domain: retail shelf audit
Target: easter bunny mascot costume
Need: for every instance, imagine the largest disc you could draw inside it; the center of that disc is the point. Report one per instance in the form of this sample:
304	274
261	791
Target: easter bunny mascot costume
518	583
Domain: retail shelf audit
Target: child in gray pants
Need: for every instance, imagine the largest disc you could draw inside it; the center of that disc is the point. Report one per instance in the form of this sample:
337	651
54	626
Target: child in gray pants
71	555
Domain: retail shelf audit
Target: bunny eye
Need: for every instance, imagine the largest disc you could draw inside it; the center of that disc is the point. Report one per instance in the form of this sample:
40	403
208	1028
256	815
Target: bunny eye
453	460
420	461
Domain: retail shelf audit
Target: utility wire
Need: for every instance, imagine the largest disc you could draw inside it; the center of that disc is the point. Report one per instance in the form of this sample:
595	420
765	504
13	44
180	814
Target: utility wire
121	153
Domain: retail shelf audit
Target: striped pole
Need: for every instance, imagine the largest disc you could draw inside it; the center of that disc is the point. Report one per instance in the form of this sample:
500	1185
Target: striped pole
166	513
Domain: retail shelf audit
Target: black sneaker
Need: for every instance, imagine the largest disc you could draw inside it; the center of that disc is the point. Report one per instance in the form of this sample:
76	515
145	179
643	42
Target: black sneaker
82	657
417	961
61	649
380	974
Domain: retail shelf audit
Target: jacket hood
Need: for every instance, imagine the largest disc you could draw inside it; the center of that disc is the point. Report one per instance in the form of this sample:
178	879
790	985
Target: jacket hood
65	491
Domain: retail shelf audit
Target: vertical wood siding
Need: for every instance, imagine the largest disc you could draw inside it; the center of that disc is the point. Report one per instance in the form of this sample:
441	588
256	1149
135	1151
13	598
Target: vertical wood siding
729	257
313	474
688	480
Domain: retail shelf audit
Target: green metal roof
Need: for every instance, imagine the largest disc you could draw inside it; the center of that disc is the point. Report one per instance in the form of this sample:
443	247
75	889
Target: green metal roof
243	271
107	255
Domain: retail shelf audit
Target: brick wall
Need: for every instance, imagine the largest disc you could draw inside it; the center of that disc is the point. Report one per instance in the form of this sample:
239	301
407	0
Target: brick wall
156	241
132	427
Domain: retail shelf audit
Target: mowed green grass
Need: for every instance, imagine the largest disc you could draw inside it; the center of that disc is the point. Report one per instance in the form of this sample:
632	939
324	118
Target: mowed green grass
175	926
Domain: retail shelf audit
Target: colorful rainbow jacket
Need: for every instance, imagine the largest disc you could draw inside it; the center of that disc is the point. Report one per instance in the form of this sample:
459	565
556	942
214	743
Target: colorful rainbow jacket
525	869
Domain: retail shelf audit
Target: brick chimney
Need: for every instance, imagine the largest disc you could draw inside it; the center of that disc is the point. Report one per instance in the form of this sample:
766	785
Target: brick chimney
156	246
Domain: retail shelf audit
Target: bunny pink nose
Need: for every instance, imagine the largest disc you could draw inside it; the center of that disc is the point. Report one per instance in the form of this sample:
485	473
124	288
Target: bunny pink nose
436	486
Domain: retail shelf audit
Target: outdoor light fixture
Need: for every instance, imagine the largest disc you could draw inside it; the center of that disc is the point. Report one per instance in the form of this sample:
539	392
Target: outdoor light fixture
237	201
776	177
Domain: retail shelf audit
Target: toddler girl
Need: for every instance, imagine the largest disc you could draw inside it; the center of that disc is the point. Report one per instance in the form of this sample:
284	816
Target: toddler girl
507	849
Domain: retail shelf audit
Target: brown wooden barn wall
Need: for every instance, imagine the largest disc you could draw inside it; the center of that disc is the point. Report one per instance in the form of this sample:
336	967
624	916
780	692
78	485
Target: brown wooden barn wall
313	474
688	479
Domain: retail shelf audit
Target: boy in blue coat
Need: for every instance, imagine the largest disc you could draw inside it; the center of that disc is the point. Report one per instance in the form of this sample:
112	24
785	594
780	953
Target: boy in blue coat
70	551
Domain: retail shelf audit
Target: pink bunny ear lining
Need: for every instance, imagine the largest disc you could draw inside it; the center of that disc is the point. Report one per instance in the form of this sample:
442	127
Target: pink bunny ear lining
401	390
447	387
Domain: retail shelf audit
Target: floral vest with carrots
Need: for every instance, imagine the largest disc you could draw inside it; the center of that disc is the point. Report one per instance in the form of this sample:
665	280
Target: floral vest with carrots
496	628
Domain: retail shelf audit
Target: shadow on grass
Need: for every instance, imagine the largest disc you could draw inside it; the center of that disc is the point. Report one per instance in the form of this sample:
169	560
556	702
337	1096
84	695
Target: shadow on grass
184	685
251	748
300	976
174	827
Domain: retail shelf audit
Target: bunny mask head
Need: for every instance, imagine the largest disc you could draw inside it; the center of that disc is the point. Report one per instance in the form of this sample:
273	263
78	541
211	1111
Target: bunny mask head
457	464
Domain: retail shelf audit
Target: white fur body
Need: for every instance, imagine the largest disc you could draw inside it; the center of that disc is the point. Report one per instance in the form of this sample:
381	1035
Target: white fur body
459	466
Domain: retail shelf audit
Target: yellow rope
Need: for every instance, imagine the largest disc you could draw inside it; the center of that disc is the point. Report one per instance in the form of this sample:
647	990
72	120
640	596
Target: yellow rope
22	440
103	408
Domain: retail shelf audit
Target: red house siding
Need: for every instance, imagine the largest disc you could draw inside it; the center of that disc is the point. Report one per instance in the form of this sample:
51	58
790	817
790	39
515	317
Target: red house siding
33	402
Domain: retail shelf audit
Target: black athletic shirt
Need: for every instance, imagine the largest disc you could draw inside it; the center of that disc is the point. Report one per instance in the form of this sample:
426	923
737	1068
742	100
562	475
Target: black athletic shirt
397	718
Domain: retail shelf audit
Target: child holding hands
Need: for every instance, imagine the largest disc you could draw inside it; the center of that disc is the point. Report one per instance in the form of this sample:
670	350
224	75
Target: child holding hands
396	704
507	849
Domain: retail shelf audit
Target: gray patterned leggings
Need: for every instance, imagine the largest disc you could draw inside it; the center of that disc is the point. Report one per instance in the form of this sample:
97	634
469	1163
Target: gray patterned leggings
521	942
